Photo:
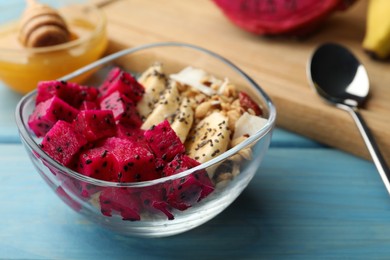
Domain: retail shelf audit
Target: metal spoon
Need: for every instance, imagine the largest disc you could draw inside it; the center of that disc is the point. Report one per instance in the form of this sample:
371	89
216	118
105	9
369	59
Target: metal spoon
338	77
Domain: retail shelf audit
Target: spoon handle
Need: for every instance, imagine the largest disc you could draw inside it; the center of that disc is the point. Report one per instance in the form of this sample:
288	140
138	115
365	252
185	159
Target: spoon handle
372	146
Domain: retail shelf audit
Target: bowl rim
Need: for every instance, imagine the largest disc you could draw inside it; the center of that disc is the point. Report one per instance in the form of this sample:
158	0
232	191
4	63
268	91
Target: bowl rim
24	133
100	25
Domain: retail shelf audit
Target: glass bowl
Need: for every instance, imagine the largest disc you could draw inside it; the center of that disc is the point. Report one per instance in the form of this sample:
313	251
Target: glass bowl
21	68
72	187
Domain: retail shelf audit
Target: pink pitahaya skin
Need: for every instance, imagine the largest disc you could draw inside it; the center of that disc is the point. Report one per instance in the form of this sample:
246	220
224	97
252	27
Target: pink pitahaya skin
298	17
122	200
98	163
95	124
62	143
124	83
70	92
163	141
47	113
184	192
154	200
135	160
123	109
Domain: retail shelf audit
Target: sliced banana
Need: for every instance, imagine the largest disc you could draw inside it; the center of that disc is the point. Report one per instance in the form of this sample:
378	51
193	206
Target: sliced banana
154	82
165	108
183	120
209	138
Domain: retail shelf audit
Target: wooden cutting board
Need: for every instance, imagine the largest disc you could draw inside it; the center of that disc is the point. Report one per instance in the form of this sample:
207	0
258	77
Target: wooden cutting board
277	64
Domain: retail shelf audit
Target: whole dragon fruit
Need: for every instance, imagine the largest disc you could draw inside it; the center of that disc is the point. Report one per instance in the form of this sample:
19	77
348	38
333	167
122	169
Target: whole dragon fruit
275	17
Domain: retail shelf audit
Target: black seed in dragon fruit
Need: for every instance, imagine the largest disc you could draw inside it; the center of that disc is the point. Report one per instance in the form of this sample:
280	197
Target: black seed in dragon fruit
154	200
47	113
135	160
95	124
70	92
121	200
98	163
124	83
164	141
62	143
184	192
123	109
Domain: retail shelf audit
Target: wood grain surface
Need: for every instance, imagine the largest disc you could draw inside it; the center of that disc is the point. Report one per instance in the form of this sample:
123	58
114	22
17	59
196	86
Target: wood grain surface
278	64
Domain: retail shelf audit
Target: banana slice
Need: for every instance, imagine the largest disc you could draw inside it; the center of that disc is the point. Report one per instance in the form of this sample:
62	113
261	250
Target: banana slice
154	82
209	138
183	120
165	108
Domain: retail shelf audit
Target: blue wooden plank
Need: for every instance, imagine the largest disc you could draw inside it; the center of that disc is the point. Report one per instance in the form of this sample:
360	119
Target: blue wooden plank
8	102
284	138
308	202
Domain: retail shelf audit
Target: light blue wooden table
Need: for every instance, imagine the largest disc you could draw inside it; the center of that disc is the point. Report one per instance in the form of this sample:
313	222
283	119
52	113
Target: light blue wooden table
306	201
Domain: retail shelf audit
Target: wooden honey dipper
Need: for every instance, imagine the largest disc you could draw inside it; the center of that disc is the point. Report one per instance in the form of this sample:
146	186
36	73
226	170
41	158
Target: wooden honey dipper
42	26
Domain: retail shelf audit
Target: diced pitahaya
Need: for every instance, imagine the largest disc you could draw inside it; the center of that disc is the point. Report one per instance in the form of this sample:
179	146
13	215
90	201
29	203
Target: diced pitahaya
95	124
88	105
123	109
98	163
164	141
68	199
81	189
111	76
154	200
135	160
47	113
62	142
70	92
184	192
134	134
123	82
122	200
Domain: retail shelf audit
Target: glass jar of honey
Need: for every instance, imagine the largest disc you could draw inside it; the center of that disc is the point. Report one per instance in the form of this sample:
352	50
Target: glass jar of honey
21	68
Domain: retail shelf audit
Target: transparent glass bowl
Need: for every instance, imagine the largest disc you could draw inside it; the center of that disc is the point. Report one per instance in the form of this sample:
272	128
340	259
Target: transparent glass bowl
21	68
70	186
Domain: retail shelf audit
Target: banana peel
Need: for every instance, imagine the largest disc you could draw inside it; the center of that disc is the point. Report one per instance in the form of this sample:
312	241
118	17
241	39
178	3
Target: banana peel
377	38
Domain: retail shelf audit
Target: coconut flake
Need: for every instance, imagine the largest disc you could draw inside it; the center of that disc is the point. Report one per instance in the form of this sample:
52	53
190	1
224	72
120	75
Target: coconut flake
223	86
193	77
248	124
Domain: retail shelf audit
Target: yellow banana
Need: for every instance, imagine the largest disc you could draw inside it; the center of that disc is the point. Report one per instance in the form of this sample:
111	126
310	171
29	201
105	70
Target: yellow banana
377	38
154	82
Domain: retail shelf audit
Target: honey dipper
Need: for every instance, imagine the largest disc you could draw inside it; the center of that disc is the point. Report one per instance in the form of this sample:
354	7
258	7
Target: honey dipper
42	26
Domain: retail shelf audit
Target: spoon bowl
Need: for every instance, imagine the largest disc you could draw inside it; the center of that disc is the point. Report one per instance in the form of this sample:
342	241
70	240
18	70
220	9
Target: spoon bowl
340	78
